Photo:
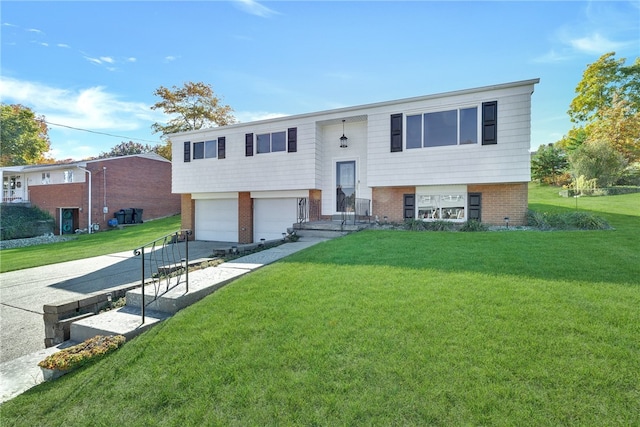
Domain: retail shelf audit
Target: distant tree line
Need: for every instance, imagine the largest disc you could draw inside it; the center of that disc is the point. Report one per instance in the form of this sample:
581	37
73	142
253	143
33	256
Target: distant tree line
603	147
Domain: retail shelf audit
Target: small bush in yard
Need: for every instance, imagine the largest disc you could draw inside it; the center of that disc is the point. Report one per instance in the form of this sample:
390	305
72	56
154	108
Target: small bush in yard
80	354
473	225
566	221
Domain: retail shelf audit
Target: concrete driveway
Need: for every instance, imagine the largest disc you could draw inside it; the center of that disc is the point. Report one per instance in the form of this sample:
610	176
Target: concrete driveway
24	292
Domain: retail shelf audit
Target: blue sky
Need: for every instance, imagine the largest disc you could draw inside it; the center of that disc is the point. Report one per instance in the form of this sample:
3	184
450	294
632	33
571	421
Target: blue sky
95	65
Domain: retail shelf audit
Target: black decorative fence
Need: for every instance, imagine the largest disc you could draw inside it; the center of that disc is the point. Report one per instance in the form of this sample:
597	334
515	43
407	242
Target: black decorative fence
164	265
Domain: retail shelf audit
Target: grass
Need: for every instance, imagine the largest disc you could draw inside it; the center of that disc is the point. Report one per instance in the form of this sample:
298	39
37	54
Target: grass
88	245
390	328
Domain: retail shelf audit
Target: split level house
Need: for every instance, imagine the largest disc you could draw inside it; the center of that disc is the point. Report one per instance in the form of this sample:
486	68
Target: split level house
452	156
85	195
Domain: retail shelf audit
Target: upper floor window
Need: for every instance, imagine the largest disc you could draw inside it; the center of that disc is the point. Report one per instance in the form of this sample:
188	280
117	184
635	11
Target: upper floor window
46	178
68	176
271	142
207	149
441	128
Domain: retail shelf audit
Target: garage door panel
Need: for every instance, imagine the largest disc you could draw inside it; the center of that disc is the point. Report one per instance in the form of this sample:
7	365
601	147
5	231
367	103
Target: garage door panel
217	220
272	217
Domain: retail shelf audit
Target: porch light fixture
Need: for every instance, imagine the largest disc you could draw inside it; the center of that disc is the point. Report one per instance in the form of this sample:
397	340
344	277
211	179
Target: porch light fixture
343	139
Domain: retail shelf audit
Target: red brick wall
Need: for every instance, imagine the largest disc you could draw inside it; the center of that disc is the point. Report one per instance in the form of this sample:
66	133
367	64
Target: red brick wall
389	202
245	218
498	201
127	182
315	205
503	200
52	197
188	211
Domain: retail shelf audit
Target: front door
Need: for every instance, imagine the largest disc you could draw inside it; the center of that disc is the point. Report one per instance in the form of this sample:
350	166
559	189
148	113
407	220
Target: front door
346	186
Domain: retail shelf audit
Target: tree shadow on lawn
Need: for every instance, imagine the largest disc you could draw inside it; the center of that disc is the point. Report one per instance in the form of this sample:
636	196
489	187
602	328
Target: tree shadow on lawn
602	256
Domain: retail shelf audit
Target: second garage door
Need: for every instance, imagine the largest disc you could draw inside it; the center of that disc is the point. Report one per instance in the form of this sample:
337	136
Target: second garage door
272	217
217	220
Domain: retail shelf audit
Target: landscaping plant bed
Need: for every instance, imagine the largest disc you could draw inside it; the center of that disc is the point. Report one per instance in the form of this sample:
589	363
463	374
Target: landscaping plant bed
65	361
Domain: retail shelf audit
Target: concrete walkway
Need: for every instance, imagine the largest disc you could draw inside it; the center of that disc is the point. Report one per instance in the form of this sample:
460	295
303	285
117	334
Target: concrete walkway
19	374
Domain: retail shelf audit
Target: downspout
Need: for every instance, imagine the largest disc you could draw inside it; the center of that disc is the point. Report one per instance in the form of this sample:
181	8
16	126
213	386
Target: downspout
90	226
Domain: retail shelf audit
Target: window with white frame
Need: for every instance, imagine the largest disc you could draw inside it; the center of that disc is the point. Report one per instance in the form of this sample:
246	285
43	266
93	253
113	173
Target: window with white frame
46	178
442	128
441	207
271	142
68	176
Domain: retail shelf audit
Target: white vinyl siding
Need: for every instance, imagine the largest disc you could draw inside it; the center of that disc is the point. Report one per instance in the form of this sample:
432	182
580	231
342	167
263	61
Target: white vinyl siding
312	166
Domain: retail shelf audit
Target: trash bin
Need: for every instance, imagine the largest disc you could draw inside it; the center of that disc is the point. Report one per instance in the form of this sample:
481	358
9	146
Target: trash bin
137	215
119	216
128	216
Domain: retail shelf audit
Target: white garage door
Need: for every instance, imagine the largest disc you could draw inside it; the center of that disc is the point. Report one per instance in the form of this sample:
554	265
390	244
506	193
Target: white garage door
217	220
272	217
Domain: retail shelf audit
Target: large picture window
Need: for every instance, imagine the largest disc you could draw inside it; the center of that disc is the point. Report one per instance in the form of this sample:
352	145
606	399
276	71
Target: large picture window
442	128
441	207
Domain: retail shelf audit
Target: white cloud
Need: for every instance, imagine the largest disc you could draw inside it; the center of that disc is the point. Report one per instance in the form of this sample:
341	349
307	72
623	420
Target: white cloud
254	8
63	45
93	60
91	108
595	44
170	58
553	56
132	59
107	59
35	30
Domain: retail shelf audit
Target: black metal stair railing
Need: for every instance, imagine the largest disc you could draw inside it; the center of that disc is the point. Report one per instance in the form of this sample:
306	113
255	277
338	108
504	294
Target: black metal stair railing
164	265
303	210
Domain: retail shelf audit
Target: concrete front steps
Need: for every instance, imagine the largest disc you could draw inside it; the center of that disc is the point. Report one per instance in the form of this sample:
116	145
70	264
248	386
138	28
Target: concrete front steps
328	229
128	321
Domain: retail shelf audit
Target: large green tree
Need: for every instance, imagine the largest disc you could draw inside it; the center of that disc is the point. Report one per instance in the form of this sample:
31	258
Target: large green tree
191	107
597	160
603	81
24	138
549	164
126	149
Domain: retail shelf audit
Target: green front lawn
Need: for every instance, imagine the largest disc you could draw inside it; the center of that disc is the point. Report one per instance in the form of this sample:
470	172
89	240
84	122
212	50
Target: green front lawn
390	328
88	245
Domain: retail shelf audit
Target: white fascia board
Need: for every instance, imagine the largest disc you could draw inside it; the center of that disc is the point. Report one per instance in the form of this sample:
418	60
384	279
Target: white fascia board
360	109
210	196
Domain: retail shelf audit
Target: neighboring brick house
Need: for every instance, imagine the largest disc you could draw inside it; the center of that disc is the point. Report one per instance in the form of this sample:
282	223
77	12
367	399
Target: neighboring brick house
141	181
452	156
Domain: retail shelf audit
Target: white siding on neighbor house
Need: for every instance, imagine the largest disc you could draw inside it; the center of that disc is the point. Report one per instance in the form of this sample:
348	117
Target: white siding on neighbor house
56	176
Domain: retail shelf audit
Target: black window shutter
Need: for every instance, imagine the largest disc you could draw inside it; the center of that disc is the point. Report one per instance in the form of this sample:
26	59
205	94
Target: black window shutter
248	144
489	123
187	151
396	132
292	140
222	147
